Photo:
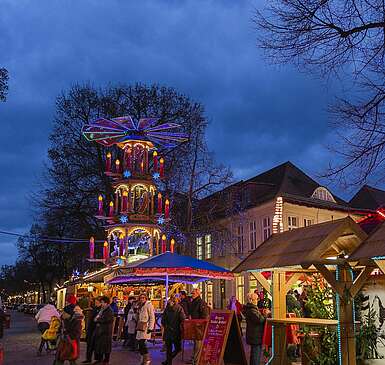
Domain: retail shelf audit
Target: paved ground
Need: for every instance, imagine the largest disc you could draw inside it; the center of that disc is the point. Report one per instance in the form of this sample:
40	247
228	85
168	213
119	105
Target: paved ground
22	339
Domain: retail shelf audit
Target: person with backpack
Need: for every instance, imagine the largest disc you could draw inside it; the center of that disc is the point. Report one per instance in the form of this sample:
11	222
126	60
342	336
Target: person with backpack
172	319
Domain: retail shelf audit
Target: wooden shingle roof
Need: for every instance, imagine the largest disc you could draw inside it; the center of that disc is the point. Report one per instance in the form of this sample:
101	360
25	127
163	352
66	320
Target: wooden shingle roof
305	246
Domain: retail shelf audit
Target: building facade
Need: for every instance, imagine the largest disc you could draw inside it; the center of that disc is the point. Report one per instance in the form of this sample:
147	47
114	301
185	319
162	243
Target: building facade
233	222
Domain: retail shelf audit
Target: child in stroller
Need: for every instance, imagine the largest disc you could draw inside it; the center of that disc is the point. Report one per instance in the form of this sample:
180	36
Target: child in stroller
50	336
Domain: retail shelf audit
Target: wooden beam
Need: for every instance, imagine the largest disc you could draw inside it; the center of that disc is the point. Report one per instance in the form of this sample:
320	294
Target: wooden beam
381	265
360	280
262	280
330	278
291	281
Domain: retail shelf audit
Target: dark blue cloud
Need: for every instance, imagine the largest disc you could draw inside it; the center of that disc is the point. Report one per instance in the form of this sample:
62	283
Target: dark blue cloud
260	115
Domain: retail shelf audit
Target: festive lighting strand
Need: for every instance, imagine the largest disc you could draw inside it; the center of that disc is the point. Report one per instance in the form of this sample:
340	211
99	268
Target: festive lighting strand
46	238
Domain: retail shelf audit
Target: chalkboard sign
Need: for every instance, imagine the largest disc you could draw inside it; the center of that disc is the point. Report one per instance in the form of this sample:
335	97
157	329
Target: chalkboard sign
222	343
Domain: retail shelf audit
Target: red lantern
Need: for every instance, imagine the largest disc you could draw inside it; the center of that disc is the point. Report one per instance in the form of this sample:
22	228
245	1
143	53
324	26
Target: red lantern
111	210
105	250
100	205
172	244
161	167
167	209
92	248
108	162
164	242
160	203
155	160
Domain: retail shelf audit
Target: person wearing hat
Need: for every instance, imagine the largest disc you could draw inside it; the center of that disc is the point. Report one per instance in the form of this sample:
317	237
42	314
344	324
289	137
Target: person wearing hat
172	319
72	318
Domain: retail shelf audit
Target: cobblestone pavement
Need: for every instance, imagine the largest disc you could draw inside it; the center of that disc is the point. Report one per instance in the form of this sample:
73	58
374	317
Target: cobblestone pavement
22	339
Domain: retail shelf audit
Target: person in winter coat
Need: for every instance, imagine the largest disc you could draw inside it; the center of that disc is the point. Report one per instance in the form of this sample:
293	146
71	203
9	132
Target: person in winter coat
145	326
72	318
103	332
198	310
172	319
127	309
43	318
2	322
185	303
91	326
44	315
130	327
254	327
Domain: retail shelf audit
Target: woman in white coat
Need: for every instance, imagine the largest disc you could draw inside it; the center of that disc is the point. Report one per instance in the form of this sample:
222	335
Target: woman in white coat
145	326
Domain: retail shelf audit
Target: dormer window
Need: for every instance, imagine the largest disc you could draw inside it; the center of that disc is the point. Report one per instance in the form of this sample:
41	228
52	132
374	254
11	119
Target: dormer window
322	193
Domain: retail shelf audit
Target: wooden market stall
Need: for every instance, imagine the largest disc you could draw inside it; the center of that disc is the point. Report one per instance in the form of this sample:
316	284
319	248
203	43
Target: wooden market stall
324	248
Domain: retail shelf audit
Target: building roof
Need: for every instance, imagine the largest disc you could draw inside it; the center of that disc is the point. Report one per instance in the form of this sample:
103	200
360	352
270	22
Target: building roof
373	246
285	180
369	198
305	246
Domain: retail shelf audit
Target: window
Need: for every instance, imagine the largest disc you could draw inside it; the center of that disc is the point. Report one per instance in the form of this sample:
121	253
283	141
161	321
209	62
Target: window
208	246
240	239
240	284
209	294
308	222
253	235
292	223
266	228
199	248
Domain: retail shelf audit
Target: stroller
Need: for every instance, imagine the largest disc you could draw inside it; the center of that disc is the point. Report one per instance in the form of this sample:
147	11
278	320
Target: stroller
51	335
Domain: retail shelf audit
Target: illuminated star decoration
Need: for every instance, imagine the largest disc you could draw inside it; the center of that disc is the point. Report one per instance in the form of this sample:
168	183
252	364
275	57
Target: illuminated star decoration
156	175
119	130
123	219
161	220
126	174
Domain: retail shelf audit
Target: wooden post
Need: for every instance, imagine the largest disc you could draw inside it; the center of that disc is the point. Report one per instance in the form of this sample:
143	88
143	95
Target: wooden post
348	343
279	312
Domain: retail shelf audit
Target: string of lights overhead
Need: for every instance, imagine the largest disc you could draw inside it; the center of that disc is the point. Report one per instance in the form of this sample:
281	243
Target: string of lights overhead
50	239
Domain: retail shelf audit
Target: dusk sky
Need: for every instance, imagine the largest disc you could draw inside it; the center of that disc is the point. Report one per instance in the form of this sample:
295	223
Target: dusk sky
260	115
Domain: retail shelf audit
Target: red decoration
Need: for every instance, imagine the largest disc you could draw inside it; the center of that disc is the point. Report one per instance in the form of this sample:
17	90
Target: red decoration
111	210
155	160
117	166
160	208
172	245
125	201
167	209
108	162
164	242
161	167
105	250
100	205
92	248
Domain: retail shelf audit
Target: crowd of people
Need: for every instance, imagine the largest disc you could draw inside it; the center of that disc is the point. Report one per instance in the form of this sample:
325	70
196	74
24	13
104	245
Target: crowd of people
139	325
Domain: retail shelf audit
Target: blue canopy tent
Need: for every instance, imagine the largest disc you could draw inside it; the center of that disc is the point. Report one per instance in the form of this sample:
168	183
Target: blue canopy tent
169	267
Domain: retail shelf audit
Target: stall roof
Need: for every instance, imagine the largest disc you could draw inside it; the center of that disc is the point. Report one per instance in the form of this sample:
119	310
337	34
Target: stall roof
305	246
176	267
373	246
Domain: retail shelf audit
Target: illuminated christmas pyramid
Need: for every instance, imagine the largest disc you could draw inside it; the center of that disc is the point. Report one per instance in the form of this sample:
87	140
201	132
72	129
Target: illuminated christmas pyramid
134	219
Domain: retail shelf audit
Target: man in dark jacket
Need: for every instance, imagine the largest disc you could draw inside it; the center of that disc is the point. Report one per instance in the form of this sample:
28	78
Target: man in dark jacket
255	321
185	303
91	326
198	310
172	319
103	332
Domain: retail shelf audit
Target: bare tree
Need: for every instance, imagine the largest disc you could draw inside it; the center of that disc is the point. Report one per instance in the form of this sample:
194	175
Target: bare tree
3	84
344	38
